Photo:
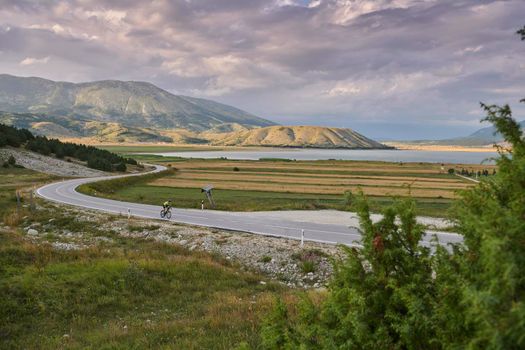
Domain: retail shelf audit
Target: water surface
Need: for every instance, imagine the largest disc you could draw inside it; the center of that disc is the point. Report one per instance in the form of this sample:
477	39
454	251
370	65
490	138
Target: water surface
344	154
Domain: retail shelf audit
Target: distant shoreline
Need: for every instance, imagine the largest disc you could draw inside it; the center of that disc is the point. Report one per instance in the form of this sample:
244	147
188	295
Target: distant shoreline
440	148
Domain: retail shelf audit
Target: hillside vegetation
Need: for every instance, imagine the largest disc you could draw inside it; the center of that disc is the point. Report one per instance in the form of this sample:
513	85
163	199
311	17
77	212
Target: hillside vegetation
93	157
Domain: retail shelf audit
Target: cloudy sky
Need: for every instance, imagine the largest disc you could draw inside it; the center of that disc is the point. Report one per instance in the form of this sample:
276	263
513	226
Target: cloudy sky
388	68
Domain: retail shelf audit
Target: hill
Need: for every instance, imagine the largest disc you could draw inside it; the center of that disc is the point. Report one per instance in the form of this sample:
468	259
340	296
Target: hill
129	103
482	137
90	156
119	111
297	136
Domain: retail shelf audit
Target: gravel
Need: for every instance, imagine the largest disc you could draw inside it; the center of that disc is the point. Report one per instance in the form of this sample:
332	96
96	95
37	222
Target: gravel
278	258
336	216
48	165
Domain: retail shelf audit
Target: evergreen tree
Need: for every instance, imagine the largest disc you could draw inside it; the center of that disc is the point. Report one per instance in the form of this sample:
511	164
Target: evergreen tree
381	296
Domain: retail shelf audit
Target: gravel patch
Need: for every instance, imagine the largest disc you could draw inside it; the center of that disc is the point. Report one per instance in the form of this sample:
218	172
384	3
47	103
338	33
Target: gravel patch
330	216
48	165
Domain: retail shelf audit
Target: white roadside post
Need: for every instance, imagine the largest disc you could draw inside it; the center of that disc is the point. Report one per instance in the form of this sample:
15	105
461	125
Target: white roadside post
129	213
302	237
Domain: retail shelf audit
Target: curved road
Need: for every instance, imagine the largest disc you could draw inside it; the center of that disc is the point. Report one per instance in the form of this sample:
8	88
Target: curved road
65	192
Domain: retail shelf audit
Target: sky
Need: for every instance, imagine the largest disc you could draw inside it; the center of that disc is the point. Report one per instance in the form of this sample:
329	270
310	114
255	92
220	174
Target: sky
391	69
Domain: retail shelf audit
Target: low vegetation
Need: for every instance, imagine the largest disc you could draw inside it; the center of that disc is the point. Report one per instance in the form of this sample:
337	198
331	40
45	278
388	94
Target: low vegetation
121	293
93	157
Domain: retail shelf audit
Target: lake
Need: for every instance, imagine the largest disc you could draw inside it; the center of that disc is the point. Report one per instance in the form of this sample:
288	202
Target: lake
344	154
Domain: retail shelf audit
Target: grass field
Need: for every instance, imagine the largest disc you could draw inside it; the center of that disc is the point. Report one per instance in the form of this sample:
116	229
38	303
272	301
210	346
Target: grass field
124	293
278	185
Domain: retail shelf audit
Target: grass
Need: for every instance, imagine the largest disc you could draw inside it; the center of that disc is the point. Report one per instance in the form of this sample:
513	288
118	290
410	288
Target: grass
266	259
120	294
149	295
23	180
272	185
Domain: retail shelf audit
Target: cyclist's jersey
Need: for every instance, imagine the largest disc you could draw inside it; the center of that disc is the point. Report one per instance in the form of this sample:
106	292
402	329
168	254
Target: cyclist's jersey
166	204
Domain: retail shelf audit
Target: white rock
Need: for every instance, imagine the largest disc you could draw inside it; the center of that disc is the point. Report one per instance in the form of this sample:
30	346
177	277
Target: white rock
32	232
262	282
183	242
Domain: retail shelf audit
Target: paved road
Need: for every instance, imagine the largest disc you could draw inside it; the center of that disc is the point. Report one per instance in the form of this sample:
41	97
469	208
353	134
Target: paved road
65	192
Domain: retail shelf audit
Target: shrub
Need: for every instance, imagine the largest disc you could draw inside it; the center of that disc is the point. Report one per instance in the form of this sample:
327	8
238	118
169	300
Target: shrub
121	167
11	161
348	198
266	259
308	266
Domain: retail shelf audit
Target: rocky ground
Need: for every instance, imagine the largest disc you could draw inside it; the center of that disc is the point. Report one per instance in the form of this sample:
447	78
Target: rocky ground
278	258
48	165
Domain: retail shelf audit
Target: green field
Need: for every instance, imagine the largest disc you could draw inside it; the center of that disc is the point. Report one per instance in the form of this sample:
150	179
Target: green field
255	200
278	185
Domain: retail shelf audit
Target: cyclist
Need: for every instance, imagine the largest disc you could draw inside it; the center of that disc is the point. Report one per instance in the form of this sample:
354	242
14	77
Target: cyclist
167	205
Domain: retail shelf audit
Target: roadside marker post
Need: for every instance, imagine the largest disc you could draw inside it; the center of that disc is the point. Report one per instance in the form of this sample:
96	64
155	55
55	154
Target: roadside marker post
129	213
302	237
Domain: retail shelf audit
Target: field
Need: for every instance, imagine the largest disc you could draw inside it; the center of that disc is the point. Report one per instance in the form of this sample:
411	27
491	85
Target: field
121	293
278	185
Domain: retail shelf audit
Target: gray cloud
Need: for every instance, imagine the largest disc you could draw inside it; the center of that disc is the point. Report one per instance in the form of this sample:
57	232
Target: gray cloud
341	62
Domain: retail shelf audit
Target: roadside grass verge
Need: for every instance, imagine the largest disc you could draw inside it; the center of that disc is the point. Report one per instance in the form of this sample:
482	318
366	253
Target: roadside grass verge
113	185
23	180
146	295
122	293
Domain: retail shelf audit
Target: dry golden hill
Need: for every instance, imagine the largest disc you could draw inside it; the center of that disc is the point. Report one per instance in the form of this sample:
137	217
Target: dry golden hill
296	136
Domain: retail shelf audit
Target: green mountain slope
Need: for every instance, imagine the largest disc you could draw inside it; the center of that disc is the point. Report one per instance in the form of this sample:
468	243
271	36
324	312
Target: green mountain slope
133	104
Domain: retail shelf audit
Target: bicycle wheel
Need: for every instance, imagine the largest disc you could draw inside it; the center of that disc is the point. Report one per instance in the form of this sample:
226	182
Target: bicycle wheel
162	213
168	214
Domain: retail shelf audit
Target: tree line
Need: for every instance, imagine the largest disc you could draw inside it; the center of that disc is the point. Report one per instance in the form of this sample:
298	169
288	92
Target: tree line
95	158
394	293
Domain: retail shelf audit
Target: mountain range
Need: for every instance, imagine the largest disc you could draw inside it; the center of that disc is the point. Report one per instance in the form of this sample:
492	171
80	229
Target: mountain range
135	104
483	137
131	111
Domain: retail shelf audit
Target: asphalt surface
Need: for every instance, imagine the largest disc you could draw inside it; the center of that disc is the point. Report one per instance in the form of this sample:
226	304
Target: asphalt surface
65	192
